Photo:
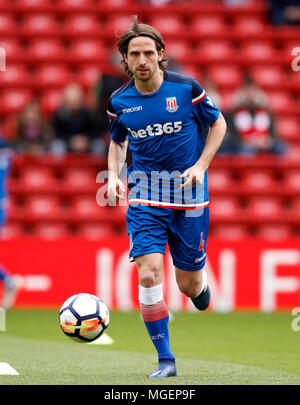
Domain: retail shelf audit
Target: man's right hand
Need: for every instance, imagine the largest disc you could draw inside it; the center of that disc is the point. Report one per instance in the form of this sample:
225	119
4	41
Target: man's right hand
115	190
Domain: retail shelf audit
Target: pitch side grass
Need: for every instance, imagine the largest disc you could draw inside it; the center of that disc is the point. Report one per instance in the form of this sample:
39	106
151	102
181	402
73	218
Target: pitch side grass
211	348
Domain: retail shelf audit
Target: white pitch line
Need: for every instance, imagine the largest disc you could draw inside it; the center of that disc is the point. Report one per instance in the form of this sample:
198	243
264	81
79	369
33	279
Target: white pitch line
6	369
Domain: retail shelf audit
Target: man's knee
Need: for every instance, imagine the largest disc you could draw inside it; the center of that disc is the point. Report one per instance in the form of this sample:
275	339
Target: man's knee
189	289
149	273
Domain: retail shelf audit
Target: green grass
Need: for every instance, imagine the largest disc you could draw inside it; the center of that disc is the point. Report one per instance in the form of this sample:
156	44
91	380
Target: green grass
210	348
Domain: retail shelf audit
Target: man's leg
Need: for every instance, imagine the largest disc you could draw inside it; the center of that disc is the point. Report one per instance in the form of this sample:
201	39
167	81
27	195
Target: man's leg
155	312
188	249
194	285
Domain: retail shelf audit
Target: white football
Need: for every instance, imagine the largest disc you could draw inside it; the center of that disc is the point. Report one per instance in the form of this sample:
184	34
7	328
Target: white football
83	317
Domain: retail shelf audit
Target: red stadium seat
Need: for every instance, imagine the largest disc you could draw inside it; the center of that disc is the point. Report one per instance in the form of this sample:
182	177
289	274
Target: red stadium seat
291	159
14	101
294	211
115	25
37	179
190	69
288	33
88	51
79	180
230	231
274	232
269	77
258	52
6	6
82	25
225	209
209	27
250	27
259	182
15	76
69	7
265	210
226	99
44	208
95	231
33	6
215	51
85	208
291	182
8	25
281	101
294	82
225	76
287	128
40	26
14	51
116	4
15	212
46	50
13	230
50	101
179	51
221	181
169	25
88	75
52	76
51	230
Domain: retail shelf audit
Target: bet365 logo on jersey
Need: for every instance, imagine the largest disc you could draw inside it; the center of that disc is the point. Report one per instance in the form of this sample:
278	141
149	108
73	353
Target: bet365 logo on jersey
157	129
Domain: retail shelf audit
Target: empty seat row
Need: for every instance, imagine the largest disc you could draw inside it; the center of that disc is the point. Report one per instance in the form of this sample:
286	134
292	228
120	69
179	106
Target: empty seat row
91	207
268	231
256	210
90	24
58	230
254	181
221	181
90	231
81	209
201	52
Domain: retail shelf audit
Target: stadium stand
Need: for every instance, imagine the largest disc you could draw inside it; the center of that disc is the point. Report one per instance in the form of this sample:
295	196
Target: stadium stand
50	44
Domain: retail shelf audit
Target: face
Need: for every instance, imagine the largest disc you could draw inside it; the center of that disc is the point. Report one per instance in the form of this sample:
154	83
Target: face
142	58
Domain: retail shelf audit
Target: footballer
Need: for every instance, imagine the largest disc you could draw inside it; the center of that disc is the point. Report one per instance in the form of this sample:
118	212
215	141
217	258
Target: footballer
173	130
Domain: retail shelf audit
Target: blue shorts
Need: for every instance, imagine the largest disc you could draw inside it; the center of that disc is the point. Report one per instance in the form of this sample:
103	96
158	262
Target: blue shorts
151	228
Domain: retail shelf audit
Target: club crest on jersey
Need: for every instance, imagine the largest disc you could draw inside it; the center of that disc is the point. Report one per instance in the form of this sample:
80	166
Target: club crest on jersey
171	104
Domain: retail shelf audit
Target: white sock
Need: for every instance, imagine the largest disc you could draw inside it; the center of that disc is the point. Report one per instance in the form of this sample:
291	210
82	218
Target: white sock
150	296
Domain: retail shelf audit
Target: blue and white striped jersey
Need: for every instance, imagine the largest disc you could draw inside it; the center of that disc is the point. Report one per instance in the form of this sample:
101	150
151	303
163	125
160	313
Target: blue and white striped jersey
165	133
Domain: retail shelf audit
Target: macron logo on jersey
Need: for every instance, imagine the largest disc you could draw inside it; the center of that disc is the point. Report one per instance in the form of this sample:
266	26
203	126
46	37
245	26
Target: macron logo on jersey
132	109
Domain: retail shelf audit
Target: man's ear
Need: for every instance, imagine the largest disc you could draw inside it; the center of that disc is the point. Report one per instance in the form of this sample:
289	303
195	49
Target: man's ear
125	57
161	55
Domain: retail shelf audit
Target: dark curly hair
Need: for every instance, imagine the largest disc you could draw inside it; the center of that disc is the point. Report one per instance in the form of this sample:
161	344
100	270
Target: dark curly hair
140	30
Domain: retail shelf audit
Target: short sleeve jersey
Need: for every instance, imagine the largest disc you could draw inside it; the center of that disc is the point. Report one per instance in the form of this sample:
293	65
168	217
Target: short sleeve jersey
165	133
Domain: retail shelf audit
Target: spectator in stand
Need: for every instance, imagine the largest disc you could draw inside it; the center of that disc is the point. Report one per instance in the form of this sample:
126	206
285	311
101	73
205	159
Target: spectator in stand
108	82
250	123
73	124
34	134
284	12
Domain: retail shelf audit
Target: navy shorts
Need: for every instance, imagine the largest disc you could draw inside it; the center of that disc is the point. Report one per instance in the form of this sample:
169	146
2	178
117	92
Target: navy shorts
151	228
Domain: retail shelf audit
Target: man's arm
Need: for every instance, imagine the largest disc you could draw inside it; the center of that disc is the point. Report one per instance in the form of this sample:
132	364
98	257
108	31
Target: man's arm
195	174
116	158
